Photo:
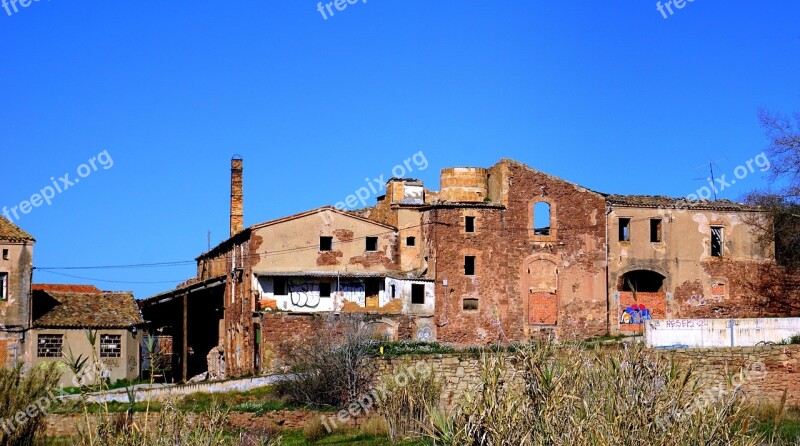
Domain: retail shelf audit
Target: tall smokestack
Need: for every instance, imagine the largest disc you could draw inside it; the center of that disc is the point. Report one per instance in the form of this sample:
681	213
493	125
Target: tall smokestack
237	212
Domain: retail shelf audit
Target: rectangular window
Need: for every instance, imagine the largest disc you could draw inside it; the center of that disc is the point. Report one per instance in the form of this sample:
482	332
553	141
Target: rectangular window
3	286
717	240
469	224
469	265
470	304
655	230
624	229
5	254
411	241
394	291
49	346
280	286
326	243
110	346
325	289
417	294
372	244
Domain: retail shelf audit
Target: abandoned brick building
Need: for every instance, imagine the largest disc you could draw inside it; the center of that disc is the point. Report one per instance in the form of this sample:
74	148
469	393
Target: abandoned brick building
498	254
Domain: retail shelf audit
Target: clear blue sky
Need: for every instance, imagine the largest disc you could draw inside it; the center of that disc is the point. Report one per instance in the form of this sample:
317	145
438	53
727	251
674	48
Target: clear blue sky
607	94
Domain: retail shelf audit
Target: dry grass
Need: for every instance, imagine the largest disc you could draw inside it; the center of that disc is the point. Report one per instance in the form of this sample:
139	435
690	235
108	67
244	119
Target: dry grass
582	397
17	393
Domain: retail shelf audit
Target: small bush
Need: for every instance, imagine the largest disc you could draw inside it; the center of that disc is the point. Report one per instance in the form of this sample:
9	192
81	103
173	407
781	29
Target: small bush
314	430
375	426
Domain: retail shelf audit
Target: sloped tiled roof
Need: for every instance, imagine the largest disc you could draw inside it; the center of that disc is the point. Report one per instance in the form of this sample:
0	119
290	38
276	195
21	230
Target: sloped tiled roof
65	288
57	309
659	201
11	232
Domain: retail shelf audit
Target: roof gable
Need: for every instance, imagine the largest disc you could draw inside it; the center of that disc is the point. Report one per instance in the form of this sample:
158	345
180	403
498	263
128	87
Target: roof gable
57	309
12	233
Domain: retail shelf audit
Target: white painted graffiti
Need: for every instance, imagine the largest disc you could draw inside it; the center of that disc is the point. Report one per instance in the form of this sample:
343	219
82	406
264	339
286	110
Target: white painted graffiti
702	301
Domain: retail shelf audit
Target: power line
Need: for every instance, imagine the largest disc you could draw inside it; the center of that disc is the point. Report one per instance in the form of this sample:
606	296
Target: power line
113	281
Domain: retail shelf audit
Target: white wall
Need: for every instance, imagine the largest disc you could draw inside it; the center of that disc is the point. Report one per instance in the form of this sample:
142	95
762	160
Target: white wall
718	332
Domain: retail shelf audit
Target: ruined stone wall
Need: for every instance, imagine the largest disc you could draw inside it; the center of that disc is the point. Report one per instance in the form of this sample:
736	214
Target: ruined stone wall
460	373
15	309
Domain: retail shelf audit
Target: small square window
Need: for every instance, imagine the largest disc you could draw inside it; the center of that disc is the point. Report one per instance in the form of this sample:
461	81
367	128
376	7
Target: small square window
624	229
325	289
279	286
717	241
469	265
326	243
469	224
470	304
110	346
372	244
5	254
655	230
49	346
411	241
417	294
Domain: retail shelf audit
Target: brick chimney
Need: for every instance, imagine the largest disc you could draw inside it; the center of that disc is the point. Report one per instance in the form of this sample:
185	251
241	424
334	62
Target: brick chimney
237	212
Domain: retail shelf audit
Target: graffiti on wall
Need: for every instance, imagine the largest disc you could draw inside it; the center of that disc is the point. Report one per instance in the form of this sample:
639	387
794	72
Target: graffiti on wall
702	301
304	294
635	314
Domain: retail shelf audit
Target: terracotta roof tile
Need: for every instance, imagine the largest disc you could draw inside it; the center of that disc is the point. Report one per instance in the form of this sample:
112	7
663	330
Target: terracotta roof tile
85	310
659	201
11	232
65	288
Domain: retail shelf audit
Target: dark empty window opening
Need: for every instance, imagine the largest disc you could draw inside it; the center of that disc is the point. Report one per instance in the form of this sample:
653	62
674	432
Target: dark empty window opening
469	265
372	243
326	243
655	230
624	229
324	289
642	281
417	294
717	240
469	224
5	254
541	218
470	304
411	241
280	286
394	291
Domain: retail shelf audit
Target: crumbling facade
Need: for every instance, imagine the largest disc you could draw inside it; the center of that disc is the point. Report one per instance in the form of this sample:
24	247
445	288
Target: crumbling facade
498	254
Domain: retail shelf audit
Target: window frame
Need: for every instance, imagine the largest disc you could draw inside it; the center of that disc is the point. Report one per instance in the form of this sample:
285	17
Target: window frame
623	236
51	336
110	353
470	263
284	288
3	286
367	244
469	224
416	289
721	229
329	288
328	243
659	228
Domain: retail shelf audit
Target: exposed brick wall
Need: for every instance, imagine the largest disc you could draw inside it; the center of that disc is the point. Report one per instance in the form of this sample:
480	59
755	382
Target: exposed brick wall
504	244
654	304
543	308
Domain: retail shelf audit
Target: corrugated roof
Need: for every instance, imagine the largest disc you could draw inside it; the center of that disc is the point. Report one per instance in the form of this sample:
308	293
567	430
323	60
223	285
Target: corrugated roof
660	201
55	309
11	232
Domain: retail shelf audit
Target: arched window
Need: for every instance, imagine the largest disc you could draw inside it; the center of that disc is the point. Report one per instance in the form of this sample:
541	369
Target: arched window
541	218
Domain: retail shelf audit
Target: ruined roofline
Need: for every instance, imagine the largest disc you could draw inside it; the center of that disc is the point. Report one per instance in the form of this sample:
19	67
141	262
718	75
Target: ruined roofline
664	202
550	176
245	234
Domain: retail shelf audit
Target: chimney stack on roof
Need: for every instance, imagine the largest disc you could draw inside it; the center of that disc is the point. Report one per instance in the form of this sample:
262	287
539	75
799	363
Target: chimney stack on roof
237	205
